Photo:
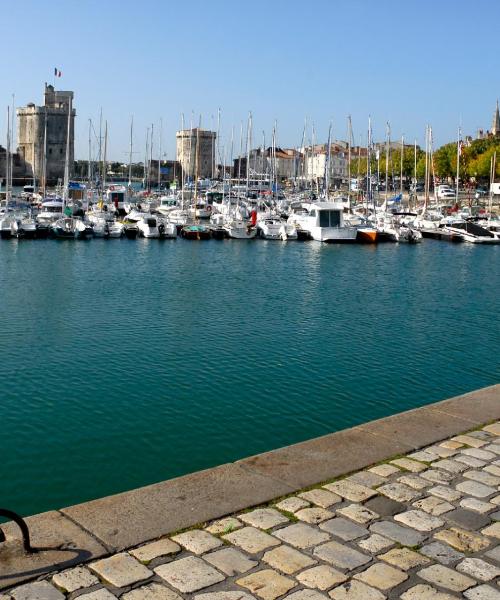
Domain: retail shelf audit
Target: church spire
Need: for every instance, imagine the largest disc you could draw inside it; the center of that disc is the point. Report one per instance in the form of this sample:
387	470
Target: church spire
495	127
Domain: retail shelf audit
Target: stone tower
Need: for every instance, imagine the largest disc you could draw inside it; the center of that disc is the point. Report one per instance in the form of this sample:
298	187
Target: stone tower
31	133
495	126
188	153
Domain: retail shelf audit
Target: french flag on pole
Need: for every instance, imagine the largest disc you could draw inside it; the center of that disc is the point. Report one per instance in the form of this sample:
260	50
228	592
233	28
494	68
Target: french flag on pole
57	73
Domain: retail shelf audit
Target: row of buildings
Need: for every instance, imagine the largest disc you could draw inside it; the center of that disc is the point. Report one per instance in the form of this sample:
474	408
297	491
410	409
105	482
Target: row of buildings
43	134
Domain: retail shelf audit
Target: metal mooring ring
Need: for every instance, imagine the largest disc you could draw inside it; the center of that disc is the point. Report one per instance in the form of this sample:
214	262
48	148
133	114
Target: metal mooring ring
21	523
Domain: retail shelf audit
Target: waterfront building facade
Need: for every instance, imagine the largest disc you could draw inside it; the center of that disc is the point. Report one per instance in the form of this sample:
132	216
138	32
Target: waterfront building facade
195	151
315	163
42	134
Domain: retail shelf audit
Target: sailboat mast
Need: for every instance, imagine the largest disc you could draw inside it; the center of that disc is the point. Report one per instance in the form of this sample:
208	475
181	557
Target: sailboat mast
349	137
159	155
7	159
105	154
217	151
387	150
493	167
401	167
369	166
327	162
130	152
66	161
150	166
89	166
249	137
459	135
12	137
182	161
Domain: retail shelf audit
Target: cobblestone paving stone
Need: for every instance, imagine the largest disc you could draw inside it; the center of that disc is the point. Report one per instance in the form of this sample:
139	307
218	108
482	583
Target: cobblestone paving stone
419	527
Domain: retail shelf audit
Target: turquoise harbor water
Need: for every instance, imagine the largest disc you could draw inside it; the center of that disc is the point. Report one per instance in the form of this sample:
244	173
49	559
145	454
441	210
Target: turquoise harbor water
123	363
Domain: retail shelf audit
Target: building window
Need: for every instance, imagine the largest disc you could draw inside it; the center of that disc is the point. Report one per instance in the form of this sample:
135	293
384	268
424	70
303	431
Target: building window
50	150
60	151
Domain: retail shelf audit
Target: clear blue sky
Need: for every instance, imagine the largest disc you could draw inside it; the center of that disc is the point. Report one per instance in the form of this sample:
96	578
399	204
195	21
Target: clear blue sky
411	62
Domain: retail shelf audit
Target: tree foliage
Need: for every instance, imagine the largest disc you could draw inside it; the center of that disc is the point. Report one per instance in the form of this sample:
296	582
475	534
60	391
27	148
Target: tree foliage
475	161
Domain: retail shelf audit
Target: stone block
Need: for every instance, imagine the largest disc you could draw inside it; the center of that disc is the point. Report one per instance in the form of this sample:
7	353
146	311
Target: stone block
404	559
438	476
476	505
462	540
148	552
321	577
39	590
443	553
301	535
288	560
74	579
479	569
385	507
449	465
230	561
321	497
197	541
314	515
152	591
409	465
482	592
492	530
414	481
355	590
366	478
351	490
469	441
375	543
263	518
121	570
384	470
225	525
189	574
425	592
224	595
398	533
477	453
433	505
340	555
494	428
398	492
382	576
358	513
483	477
467	519
102	594
292	504
420	520
267	584
446	493
306	595
446	578
251	539
344	529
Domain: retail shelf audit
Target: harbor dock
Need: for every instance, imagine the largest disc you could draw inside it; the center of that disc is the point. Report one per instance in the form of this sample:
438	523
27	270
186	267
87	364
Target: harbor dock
406	506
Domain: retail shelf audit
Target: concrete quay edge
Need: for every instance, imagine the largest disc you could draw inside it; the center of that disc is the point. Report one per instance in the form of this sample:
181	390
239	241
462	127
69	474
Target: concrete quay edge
100	527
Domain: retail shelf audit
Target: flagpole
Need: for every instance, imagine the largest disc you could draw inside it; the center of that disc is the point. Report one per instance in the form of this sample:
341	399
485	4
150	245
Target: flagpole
458	165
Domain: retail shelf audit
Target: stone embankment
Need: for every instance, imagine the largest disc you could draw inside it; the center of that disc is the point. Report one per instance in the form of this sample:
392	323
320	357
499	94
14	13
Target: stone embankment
403	507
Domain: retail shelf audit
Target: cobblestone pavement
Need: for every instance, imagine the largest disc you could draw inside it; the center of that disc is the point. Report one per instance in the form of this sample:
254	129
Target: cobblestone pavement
423	526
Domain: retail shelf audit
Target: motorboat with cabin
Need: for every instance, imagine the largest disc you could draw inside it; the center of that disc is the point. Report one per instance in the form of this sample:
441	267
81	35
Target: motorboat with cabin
324	222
